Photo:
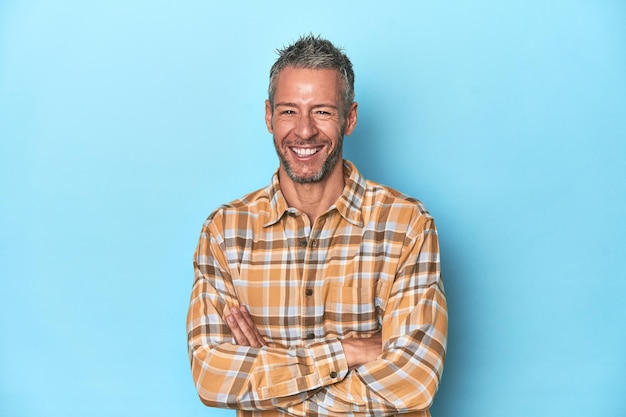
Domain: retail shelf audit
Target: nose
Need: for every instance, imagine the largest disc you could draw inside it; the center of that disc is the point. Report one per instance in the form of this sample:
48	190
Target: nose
305	127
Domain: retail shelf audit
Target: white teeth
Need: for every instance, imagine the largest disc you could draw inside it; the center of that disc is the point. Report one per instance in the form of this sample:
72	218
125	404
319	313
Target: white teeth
304	152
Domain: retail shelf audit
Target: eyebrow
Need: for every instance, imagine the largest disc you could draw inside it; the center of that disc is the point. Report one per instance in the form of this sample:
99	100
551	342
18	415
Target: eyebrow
316	106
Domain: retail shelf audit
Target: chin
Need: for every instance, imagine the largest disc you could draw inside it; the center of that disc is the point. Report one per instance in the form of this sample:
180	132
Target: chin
309	178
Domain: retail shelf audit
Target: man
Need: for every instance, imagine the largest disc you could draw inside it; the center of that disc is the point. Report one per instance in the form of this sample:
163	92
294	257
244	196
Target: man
321	294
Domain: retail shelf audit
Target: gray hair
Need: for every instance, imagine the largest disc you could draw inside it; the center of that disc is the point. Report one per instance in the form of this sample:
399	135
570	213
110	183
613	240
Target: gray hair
314	52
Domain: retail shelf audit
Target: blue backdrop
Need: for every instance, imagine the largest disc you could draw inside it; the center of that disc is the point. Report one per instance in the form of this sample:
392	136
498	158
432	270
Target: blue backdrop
124	123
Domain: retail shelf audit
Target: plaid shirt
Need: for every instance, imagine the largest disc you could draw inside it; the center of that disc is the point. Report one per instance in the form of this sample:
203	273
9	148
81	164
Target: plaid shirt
369	264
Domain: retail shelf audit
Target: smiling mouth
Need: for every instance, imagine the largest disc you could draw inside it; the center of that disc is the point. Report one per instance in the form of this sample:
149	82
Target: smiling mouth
305	152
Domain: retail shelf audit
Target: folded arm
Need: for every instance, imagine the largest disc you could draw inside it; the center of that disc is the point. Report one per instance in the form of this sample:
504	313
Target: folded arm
234	367
358	351
253	377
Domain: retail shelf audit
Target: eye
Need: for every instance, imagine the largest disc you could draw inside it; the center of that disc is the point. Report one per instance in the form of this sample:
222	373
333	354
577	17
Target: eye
288	112
323	114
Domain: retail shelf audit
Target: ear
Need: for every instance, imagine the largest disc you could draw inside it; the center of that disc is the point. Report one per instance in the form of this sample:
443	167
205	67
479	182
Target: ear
351	118
268	116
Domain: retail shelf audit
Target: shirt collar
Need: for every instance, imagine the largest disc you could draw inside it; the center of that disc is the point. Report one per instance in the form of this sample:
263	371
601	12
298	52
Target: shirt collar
349	204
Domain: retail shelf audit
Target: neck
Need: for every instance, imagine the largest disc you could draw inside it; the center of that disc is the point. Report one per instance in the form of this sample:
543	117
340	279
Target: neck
313	198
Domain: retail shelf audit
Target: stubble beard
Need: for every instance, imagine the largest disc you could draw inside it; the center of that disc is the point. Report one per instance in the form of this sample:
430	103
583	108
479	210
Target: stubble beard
327	166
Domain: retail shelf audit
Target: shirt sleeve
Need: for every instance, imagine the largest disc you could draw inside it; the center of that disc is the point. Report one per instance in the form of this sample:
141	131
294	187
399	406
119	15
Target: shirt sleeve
230	376
414	328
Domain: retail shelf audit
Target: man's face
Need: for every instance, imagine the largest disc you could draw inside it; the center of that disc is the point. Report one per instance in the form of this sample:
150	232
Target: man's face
308	122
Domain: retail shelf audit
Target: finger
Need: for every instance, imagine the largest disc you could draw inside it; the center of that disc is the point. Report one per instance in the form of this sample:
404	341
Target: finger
244	333
255	330
247	327
237	333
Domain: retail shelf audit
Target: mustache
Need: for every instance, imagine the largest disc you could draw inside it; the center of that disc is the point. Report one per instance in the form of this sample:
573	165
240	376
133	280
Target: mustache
307	142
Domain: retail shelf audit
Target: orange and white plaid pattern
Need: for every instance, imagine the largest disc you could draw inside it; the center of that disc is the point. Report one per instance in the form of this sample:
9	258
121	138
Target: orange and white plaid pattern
369	264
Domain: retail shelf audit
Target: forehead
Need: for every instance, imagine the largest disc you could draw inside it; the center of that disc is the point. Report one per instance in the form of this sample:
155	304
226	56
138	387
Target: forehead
305	82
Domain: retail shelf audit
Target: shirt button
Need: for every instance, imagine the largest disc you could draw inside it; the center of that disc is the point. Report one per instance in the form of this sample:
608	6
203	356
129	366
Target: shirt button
309	292
314	243
310	336
333	374
303	243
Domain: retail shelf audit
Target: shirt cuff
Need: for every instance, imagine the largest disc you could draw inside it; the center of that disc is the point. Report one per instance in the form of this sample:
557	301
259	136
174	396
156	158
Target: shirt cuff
329	360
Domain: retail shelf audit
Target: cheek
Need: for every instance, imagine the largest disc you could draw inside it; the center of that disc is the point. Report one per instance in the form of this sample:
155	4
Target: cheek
282	128
332	131
278	130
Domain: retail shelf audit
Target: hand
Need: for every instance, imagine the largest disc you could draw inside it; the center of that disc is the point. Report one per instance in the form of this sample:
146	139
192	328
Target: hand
361	351
243	328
